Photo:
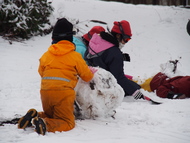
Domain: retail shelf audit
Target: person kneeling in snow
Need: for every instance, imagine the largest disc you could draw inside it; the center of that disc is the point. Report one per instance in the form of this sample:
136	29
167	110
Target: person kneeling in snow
105	51
59	68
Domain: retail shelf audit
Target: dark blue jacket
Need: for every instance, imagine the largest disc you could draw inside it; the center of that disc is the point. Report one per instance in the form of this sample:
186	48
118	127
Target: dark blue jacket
111	59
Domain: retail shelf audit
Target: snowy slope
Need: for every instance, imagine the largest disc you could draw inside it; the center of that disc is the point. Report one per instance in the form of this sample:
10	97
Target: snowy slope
159	35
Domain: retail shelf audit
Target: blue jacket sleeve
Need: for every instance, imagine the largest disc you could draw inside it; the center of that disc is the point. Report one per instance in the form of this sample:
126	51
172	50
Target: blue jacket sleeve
80	46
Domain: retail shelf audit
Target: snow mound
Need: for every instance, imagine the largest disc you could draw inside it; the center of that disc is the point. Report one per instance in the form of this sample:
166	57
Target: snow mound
170	70
99	97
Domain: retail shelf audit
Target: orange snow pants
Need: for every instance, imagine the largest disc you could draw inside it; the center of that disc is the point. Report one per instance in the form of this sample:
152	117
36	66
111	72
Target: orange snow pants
58	106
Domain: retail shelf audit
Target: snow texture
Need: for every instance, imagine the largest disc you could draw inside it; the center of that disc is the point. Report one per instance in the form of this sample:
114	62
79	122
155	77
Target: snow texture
99	97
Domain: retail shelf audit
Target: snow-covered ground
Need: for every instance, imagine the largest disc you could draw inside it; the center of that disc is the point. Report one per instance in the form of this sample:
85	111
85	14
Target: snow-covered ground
159	35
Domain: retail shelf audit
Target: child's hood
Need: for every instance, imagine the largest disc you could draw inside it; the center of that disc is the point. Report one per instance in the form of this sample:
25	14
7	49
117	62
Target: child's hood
61	48
97	44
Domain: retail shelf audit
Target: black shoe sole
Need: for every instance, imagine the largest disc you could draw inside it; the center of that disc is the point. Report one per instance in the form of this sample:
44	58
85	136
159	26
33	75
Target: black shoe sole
26	120
40	125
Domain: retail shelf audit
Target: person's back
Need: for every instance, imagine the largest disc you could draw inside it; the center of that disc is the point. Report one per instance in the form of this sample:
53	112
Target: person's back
60	61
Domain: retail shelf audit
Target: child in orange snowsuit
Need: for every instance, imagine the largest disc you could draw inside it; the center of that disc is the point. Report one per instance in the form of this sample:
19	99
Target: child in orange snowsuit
59	69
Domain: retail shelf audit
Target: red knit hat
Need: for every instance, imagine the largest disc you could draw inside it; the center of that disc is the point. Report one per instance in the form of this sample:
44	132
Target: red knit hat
95	29
125	26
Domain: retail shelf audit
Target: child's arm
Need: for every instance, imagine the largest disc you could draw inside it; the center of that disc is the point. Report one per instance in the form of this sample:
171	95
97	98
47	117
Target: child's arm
83	70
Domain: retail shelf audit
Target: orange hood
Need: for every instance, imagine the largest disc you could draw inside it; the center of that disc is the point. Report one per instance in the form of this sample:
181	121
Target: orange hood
61	48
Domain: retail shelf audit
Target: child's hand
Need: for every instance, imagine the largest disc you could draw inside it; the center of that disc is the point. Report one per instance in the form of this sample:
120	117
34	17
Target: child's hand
126	57
93	70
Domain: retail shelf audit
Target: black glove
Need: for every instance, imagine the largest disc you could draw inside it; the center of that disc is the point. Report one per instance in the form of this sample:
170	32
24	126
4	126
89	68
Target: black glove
172	95
126	57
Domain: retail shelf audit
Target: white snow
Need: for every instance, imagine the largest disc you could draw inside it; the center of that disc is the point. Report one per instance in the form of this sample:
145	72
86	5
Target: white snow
159	35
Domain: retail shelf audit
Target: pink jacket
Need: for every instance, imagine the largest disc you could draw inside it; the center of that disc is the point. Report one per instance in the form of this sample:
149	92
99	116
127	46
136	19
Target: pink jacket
97	44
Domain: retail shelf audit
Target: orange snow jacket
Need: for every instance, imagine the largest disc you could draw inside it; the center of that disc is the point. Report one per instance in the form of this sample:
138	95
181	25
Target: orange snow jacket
61	65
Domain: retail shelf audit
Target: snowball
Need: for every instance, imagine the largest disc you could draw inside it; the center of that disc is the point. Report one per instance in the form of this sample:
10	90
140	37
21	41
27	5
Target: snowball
99	97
